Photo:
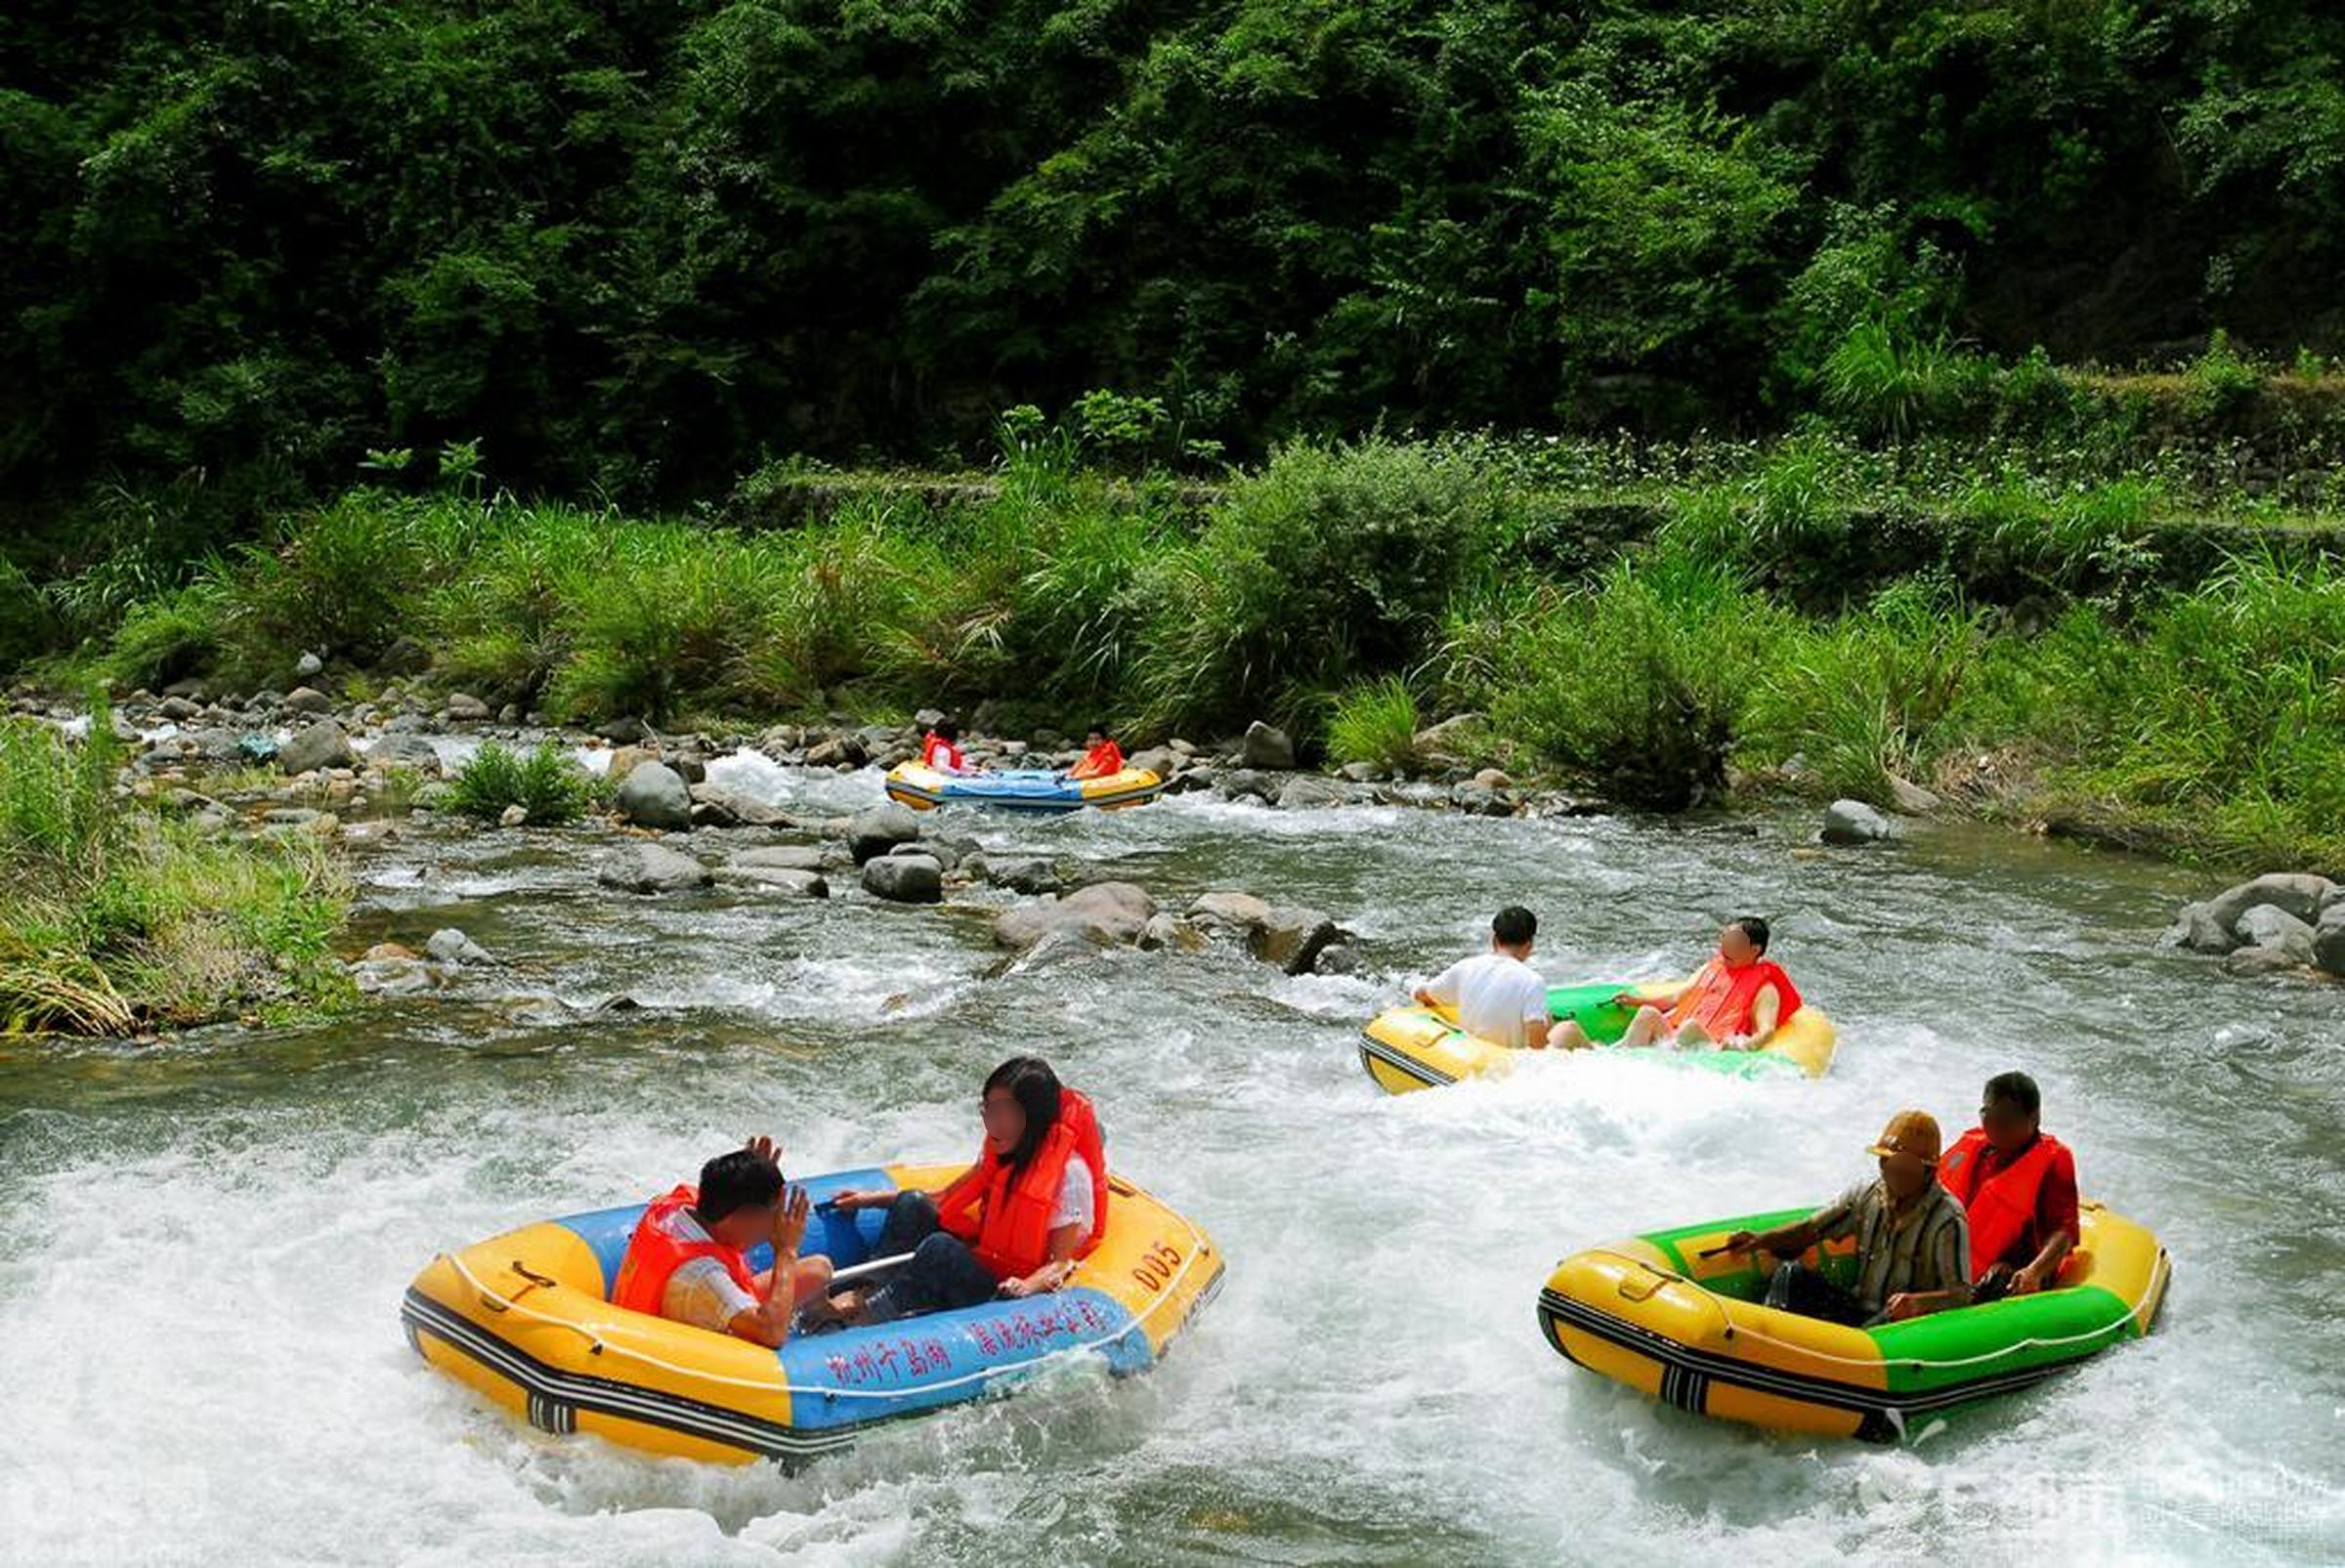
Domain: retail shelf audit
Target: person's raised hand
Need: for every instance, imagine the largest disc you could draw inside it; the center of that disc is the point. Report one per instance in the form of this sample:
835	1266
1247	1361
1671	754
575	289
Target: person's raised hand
789	1219
766	1149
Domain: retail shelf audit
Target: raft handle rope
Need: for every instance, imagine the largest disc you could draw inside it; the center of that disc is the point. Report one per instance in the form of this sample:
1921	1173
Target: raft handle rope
2158	1274
596	1344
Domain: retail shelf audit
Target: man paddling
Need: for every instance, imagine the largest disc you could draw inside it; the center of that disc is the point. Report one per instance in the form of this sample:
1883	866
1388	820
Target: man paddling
1913	1245
1499	996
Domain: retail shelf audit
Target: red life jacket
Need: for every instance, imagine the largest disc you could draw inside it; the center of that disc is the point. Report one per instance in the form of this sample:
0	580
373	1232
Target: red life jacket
654	1254
1102	761
1721	998
936	748
1004	1216
2001	1207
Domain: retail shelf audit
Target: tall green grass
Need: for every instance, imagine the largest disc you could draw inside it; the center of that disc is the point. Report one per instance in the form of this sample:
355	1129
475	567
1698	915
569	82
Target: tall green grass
545	784
116	921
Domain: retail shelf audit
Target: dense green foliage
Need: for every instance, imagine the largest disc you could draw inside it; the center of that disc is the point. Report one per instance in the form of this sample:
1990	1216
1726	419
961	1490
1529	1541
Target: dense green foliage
632	249
2024	642
545	784
117	920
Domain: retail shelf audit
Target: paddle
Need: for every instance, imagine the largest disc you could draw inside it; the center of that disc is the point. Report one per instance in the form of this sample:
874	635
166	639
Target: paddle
875	1266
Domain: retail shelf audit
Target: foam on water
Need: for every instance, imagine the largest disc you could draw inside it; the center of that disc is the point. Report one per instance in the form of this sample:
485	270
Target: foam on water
204	1246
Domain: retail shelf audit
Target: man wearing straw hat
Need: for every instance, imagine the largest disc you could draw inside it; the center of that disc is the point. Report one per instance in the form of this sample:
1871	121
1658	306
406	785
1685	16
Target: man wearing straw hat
1913	1241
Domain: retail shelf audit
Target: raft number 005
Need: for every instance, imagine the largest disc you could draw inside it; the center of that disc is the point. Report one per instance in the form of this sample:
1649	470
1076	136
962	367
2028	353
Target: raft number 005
1156	1270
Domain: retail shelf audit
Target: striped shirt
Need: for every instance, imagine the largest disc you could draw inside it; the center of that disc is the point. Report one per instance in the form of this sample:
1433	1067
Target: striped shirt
1926	1248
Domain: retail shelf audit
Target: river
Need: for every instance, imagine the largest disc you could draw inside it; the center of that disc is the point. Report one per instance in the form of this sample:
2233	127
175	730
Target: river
205	1241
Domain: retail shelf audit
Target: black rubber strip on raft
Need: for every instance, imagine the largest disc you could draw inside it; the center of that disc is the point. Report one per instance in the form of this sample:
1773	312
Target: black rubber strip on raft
556	1396
1687	1373
1371	1048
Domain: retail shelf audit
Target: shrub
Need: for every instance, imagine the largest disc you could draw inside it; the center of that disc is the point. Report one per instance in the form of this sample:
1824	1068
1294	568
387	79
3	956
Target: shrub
1866	694
1375	722
1329	563
1639	681
545	784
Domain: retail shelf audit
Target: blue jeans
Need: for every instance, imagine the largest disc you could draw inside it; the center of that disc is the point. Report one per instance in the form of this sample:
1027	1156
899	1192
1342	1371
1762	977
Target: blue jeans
943	1275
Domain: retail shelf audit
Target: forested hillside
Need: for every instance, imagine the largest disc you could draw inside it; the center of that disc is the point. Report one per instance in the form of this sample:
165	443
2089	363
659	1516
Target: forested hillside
635	249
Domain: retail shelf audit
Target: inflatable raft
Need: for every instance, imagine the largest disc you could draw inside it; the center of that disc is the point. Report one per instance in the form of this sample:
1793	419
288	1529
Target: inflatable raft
1414	1048
1035	789
524	1318
1653	1312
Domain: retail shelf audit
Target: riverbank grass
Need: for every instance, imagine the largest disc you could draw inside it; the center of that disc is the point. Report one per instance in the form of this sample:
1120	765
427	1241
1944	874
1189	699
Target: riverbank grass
116	921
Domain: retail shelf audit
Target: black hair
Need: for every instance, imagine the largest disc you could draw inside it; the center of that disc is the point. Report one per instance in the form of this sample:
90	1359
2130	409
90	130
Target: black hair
1514	925
2017	1089
946	730
1753	927
740	1179
1035	1088
1102	731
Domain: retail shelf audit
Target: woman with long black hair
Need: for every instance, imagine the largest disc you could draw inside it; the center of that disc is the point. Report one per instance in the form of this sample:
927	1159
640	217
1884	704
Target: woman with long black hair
1014	1223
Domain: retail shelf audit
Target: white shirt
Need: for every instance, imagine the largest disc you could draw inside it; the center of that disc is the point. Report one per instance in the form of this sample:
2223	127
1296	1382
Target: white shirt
1075	1193
1498	997
700	1292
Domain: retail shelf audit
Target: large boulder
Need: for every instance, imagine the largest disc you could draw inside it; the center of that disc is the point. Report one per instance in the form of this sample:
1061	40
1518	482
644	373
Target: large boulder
1107	914
2267	925
2196	929
1455	740
1308	791
1157	759
2252	961
1292	938
465	708
627	759
1240	912
402	750
308	700
1852	822
719	807
322	746
782	880
2328	938
905	878
876	832
1266	745
1024	874
653	868
653	795
2296	893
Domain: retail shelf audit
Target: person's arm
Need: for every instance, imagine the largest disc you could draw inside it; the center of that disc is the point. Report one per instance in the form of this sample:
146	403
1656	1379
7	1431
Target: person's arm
1795	1238
1439	991
768	1322
1767	1009
1054	1272
2056	1221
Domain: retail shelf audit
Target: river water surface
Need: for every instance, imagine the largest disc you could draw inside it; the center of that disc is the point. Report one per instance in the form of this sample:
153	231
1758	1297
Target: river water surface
203	1245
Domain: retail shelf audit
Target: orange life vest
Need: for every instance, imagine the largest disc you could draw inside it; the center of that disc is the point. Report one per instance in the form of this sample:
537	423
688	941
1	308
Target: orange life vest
1004	1215
2003	1206
1102	761
655	1254
941	755
1721	998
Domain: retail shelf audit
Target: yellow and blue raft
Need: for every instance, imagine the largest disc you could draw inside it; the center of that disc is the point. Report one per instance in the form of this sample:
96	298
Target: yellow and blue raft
525	1319
1654	1312
1032	789
1416	1047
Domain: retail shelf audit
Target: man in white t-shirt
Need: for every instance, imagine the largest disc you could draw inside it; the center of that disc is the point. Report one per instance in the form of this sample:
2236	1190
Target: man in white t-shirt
1498	996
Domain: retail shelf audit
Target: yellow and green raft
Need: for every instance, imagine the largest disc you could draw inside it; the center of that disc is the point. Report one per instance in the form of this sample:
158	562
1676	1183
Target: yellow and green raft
525	1319
1655	1313
1416	1047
